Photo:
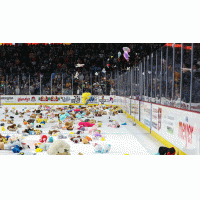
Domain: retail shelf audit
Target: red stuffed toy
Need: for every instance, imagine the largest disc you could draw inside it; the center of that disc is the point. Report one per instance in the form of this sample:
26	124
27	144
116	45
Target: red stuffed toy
85	124
77	110
171	151
43	138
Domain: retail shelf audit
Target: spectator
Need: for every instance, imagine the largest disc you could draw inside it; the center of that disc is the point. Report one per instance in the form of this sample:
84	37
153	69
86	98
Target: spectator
17	90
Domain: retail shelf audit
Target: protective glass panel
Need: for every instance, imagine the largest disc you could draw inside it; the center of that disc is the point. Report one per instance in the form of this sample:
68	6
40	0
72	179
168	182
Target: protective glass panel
186	76
195	104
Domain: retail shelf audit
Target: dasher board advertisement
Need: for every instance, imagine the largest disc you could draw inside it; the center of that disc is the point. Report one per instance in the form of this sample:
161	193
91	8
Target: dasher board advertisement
145	113
179	127
135	108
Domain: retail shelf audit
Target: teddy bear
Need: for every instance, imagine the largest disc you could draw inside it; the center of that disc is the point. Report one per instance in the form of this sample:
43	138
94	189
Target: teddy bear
76	139
33	116
3	139
59	147
12	127
38	132
69	125
102	149
31	121
27	130
10	121
57	115
29	126
52	132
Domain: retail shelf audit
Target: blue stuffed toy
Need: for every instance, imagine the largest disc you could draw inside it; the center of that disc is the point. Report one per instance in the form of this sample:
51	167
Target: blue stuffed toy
31	132
78	116
10	145
63	117
83	114
7	137
51	139
100	149
16	149
43	122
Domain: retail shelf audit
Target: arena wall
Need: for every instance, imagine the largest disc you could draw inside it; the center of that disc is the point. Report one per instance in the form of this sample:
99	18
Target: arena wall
171	126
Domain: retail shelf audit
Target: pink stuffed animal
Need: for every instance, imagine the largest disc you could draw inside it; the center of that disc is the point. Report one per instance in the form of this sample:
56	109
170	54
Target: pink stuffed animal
94	128
85	124
52	115
59	126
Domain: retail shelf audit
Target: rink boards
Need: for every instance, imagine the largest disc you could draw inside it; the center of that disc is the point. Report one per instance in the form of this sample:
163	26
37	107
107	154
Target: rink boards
171	126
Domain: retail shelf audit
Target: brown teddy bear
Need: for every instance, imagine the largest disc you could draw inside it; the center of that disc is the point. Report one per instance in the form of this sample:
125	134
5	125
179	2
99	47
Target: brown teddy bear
9	121
33	116
30	121
27	130
69	125
57	115
59	109
12	127
87	112
76	139
52	132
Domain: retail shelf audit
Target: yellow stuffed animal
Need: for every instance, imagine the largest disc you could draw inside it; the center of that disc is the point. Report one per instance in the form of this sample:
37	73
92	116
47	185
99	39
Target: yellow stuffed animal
38	120
38	150
3	129
85	97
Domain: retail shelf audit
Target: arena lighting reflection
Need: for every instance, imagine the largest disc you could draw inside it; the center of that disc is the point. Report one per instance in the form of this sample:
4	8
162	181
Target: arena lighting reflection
177	46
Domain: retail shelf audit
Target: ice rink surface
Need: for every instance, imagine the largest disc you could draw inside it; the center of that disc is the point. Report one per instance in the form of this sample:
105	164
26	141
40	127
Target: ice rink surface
127	139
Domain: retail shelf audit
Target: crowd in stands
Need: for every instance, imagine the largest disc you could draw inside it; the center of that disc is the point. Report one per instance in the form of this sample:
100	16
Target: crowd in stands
19	62
48	69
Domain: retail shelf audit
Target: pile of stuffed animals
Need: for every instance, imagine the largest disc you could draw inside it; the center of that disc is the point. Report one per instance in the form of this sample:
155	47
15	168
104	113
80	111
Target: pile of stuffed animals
66	118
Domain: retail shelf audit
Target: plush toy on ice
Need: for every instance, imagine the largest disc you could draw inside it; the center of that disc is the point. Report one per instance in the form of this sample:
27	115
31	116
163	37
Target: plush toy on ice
166	151
43	138
59	147
85	97
102	149
63	117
